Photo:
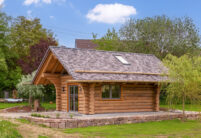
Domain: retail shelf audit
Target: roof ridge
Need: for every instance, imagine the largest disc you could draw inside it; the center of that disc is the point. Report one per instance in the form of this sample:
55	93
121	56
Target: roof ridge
102	50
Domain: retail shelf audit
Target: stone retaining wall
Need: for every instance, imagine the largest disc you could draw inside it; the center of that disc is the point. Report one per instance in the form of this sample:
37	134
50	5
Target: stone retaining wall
74	123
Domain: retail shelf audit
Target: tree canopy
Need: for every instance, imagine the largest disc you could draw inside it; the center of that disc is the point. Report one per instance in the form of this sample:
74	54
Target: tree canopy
185	77
24	40
159	35
109	42
10	72
31	62
26	89
26	33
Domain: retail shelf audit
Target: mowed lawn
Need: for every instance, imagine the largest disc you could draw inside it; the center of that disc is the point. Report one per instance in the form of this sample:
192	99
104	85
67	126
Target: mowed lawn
47	106
8	130
8	105
170	129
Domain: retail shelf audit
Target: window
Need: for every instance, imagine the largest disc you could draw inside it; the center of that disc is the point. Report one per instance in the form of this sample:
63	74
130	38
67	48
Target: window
122	60
111	91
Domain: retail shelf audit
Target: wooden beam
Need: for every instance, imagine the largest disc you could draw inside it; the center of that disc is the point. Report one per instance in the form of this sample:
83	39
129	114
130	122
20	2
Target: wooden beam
45	64
115	72
50	75
63	70
157	102
55	67
54	57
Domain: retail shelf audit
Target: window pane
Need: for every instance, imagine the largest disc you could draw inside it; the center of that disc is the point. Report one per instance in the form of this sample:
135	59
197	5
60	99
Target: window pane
71	90
76	89
116	91
105	91
122	60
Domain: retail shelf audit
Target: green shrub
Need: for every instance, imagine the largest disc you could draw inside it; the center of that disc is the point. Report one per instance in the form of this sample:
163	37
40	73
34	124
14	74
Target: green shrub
57	115
39	115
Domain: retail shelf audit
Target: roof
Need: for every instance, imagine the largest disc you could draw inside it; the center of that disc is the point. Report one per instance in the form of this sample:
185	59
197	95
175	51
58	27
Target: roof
85	43
88	64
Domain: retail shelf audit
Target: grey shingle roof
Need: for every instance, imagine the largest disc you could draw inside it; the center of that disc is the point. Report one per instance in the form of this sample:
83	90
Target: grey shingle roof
95	60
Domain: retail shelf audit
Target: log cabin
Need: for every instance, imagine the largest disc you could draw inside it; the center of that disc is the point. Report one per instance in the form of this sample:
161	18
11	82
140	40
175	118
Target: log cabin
91	81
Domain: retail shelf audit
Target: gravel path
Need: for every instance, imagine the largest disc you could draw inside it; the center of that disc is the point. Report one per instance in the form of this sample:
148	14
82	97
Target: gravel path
66	115
14	115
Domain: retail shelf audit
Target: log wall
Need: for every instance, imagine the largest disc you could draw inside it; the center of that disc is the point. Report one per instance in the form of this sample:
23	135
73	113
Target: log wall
83	99
134	98
64	93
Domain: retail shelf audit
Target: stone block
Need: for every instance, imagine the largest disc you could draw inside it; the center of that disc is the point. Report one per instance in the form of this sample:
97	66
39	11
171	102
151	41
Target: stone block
62	125
54	125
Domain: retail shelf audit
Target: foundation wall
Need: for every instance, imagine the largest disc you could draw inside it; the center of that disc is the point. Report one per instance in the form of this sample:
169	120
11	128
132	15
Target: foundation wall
75	123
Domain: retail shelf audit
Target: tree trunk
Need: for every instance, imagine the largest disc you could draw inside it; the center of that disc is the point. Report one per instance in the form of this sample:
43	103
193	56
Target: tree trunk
30	100
183	108
14	94
36	105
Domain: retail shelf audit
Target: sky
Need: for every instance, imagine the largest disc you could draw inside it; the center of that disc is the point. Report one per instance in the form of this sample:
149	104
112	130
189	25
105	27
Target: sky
78	19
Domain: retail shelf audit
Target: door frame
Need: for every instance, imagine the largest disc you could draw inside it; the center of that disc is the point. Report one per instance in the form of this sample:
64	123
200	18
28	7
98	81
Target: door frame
68	95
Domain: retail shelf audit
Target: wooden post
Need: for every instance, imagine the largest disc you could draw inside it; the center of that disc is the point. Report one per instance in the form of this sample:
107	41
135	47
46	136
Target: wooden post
56	80
157	101
84	98
91	98
36	105
58	95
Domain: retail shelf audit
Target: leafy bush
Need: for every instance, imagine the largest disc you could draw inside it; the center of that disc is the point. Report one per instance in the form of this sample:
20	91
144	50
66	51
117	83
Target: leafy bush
57	115
26	89
39	115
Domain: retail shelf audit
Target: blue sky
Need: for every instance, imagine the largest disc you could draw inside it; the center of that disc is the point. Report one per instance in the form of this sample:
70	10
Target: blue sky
71	19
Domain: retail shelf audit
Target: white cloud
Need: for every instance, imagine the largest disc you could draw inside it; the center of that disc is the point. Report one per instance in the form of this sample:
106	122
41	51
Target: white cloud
111	13
47	1
29	2
1	2
29	14
51	17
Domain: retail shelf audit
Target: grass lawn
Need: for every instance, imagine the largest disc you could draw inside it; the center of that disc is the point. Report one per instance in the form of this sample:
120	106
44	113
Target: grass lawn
170	128
8	105
47	106
8	130
188	107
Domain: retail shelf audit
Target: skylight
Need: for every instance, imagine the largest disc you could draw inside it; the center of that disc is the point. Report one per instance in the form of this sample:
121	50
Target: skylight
122	60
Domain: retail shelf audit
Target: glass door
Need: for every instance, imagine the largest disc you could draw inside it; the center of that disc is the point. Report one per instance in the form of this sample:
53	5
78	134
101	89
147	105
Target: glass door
73	98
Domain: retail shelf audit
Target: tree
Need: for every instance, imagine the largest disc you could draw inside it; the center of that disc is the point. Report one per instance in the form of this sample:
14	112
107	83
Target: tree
10	72
31	62
157	35
3	68
177	36
26	33
109	42
185	79
28	90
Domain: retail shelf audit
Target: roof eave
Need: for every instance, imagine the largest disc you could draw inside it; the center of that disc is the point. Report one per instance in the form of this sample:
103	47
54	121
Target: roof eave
127	81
